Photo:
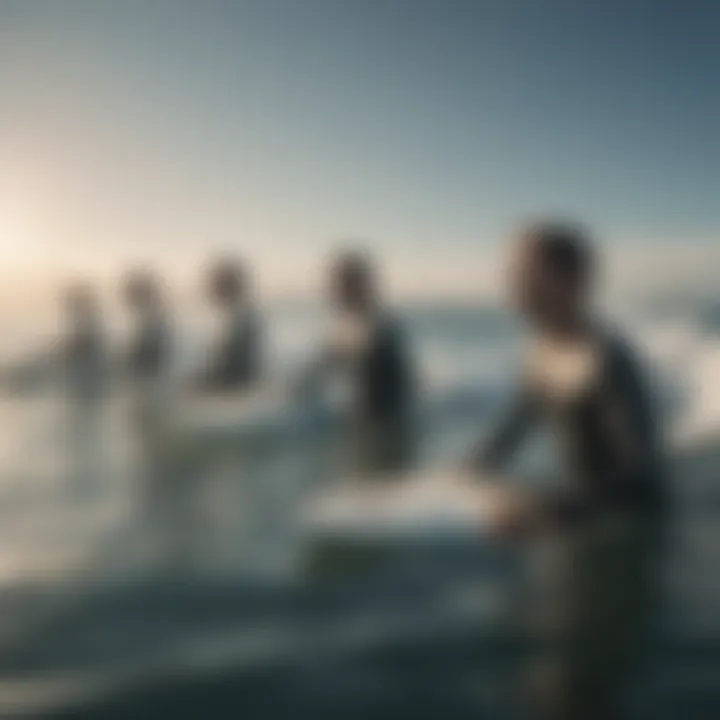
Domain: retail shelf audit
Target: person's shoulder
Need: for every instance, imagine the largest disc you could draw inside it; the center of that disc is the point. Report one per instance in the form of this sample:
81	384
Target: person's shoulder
389	326
621	355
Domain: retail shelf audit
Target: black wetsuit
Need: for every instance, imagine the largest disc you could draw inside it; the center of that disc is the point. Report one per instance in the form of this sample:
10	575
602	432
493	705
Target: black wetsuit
85	358
236	361
384	375
149	355
379	370
606	432
382	380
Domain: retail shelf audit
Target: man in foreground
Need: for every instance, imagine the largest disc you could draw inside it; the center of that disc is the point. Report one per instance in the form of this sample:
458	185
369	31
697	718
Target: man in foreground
584	382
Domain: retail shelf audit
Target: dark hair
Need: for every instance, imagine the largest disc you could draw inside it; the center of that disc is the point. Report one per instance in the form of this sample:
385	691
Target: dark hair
229	277
353	264
142	285
80	293
565	249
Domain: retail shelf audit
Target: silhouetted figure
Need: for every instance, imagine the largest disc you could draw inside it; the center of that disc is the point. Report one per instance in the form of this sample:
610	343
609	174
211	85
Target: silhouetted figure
235	362
85	361
368	346
148	364
149	354
84	350
584	382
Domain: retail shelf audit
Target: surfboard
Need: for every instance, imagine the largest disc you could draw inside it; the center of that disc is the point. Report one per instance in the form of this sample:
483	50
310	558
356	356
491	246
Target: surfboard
421	503
426	519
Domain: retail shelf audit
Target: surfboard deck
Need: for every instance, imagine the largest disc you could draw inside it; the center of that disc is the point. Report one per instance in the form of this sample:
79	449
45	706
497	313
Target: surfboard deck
416	504
406	524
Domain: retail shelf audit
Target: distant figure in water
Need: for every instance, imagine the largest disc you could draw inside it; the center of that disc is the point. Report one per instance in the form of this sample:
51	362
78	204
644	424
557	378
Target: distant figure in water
235	362
85	362
149	353
368	346
84	350
585	382
147	363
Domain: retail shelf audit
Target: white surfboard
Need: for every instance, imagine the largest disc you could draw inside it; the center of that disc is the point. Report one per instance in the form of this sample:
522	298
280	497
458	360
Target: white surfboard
420	505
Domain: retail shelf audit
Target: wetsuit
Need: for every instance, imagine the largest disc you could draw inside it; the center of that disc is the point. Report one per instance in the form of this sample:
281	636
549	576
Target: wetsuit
149	355
372	351
236	361
593	396
86	360
596	599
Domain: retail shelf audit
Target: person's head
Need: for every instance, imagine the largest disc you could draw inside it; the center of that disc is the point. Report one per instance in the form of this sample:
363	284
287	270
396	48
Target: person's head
552	274
228	283
143	292
353	283
81	303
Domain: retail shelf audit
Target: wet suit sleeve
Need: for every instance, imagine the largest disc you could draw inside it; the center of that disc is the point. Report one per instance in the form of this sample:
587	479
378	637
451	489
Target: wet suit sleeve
512	428
388	381
627	421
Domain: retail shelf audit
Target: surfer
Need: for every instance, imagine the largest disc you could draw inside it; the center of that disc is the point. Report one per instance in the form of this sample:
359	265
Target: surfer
367	345
235	361
147	364
149	356
585	382
85	366
84	352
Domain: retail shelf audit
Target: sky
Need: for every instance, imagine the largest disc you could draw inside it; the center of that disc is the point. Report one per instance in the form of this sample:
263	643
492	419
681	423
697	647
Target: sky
168	131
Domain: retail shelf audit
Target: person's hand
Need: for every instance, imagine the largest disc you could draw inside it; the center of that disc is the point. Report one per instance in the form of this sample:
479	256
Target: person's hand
512	513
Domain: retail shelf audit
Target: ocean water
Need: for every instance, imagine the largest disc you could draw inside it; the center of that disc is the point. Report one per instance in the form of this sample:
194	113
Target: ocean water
130	590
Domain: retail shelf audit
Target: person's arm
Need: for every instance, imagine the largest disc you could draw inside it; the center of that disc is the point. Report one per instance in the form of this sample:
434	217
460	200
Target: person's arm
628	418
511	429
391	369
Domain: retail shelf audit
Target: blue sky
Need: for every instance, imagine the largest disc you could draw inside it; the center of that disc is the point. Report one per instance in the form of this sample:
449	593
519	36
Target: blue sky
423	128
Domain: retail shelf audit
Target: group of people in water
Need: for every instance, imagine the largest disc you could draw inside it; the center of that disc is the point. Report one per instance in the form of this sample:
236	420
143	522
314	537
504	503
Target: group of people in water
367	338
580	379
580	376
233	364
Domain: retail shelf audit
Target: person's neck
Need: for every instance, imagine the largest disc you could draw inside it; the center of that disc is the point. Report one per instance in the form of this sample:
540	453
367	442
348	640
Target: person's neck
569	329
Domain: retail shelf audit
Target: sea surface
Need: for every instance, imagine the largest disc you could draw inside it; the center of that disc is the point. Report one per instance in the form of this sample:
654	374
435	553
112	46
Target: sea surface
191	590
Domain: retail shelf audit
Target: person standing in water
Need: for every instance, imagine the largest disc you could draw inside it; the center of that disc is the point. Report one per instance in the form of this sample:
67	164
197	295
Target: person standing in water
147	365
149	353
235	362
84	359
84	350
585	382
367	344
